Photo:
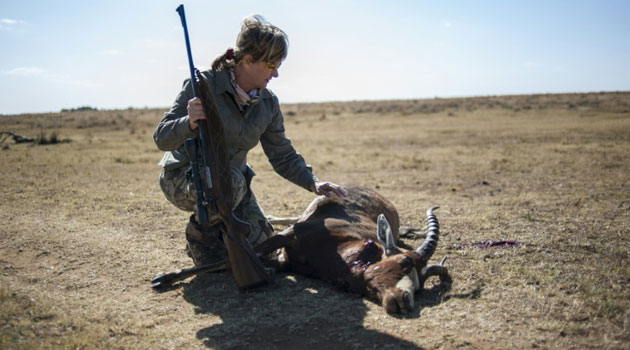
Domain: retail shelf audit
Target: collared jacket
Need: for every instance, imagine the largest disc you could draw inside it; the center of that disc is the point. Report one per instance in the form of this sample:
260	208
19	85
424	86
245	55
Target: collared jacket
261	121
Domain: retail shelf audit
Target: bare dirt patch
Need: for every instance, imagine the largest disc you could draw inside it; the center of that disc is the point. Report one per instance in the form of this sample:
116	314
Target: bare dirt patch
85	227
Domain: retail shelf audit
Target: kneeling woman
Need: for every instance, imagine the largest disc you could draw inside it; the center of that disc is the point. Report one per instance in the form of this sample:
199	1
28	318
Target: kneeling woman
250	113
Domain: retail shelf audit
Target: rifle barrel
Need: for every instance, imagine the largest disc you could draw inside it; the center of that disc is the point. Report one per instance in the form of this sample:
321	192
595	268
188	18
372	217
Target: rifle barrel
182	16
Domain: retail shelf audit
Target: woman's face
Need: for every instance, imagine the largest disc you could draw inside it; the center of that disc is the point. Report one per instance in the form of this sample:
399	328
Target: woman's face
257	75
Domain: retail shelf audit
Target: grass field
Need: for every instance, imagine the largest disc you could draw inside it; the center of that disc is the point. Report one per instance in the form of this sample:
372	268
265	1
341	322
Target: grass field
84	227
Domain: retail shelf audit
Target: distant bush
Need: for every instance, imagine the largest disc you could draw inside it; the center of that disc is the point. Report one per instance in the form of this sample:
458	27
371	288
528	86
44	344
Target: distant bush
53	139
79	109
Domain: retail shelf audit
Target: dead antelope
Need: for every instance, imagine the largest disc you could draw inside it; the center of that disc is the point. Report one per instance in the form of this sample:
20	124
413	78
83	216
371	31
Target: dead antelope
350	242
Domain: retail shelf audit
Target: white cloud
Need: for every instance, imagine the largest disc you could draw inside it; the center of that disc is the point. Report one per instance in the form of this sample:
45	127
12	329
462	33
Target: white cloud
447	24
9	23
25	71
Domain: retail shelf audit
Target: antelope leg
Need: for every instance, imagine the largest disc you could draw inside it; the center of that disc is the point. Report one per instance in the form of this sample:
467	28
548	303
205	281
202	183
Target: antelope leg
274	220
164	280
278	241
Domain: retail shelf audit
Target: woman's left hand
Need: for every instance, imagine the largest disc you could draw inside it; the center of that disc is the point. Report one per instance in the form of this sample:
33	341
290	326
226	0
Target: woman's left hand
328	189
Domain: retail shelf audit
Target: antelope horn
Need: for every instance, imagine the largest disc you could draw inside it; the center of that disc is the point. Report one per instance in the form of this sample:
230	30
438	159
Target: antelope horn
427	248
433	270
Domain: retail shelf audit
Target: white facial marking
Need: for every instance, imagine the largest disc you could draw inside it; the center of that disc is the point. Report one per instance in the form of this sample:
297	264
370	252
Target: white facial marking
410	284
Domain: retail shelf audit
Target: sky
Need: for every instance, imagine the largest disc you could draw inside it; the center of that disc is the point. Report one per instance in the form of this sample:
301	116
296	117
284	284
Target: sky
60	54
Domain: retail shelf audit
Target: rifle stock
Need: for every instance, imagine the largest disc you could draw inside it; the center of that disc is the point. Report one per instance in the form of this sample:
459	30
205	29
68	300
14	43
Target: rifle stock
247	270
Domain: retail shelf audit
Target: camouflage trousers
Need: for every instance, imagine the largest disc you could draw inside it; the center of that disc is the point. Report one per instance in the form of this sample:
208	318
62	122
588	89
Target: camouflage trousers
180	191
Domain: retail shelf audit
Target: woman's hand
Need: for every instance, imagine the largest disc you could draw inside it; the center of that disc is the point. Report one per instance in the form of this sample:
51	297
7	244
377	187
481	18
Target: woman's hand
328	189
195	112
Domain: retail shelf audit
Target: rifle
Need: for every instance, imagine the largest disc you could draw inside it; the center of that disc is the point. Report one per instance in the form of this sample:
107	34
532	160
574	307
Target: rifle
213	179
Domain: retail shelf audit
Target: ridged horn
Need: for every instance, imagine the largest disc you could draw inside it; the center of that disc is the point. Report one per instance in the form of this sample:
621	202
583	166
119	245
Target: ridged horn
427	248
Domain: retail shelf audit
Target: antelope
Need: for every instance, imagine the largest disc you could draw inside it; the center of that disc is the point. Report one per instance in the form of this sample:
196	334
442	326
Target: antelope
351	242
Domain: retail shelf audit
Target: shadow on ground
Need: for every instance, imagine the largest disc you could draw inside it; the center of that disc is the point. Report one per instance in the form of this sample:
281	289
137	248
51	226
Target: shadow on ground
296	313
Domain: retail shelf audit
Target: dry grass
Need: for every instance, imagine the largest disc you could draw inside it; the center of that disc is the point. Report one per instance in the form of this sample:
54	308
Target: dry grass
85	226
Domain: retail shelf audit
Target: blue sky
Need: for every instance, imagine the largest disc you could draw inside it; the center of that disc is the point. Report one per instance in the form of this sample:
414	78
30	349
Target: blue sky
117	54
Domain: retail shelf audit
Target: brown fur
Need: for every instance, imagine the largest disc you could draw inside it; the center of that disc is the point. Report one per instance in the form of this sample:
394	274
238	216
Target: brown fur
335	240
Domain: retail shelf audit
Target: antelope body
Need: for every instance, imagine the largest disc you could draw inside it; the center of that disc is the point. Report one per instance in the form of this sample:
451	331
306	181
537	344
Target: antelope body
351	242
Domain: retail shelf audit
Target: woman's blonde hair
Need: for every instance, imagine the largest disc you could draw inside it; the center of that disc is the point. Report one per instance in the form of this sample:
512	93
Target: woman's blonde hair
258	38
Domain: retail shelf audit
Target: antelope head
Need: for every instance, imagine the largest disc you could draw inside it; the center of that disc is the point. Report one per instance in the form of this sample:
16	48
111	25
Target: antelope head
395	279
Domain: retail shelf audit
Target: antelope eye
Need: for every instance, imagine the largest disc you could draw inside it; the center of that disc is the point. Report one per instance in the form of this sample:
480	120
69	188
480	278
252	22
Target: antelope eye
407	263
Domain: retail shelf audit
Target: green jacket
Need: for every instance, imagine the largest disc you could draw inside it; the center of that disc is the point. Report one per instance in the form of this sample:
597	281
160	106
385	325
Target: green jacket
262	121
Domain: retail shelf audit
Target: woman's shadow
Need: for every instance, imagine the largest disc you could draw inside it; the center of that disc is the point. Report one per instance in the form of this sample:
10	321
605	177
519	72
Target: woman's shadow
295	313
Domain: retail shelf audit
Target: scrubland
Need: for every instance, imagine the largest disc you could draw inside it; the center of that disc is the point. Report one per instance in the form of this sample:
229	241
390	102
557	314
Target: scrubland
84	227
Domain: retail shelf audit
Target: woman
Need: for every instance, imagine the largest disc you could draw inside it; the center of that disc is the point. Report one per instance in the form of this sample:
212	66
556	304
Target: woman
250	113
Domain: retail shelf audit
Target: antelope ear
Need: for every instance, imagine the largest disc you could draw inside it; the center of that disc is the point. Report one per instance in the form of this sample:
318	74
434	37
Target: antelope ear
385	236
382	226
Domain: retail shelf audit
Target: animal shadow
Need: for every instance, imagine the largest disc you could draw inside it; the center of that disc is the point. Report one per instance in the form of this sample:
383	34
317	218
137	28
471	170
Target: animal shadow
294	313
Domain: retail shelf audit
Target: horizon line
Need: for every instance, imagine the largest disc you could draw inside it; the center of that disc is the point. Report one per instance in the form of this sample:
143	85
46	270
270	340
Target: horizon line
63	110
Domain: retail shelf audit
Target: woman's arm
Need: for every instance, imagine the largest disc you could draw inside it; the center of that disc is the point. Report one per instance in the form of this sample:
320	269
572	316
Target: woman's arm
287	162
174	128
